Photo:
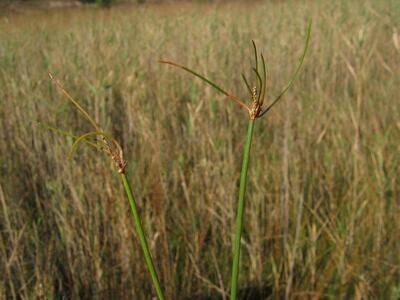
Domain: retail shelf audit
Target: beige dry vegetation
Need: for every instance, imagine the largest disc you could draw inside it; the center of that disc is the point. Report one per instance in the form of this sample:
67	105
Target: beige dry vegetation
323	197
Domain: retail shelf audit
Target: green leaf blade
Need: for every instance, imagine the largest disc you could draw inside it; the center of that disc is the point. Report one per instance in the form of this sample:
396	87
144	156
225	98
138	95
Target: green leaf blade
294	76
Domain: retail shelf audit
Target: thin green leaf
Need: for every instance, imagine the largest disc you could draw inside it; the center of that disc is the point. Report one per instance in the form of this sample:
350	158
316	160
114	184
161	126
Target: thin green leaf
76	103
294	75
66	133
264	80
83	138
247	84
214	85
255	54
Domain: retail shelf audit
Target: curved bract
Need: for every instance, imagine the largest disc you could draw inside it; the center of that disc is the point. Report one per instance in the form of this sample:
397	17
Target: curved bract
257	93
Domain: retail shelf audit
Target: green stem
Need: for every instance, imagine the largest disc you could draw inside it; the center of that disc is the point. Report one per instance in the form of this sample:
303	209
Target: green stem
240	211
142	238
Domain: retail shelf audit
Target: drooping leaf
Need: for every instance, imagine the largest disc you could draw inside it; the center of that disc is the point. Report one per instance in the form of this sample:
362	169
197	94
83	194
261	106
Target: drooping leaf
66	133
83	138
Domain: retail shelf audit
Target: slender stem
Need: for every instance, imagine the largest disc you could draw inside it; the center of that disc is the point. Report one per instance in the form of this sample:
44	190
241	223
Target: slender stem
240	211
142	238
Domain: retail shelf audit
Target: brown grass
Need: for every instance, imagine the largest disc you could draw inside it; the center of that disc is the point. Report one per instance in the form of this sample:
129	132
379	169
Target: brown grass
324	190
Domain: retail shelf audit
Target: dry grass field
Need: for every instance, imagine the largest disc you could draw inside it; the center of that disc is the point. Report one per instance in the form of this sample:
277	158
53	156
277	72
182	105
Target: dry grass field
323	201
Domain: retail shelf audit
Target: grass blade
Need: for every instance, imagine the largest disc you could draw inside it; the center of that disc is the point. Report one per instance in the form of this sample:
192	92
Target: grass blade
264	80
214	85
247	84
76	103
255	54
82	138
66	133
260	83
294	75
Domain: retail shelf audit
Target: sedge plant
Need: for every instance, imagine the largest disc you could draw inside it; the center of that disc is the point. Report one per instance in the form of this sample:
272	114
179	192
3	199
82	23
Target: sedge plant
107	144
255	110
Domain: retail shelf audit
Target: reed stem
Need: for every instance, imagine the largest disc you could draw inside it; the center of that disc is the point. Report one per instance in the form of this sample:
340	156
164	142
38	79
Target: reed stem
240	211
142	238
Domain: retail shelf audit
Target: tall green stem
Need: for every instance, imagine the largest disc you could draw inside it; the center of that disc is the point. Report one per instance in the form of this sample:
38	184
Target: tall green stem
142	238
240	211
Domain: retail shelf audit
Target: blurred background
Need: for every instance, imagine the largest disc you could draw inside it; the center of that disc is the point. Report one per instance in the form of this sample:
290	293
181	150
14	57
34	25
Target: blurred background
323	201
